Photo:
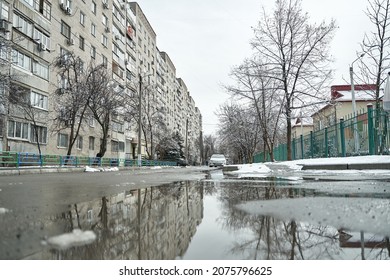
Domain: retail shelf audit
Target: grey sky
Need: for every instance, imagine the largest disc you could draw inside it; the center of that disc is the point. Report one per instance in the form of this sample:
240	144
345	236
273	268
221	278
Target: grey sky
206	38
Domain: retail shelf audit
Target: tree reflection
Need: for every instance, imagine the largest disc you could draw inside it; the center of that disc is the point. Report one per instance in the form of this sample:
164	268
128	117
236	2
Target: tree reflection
273	238
150	223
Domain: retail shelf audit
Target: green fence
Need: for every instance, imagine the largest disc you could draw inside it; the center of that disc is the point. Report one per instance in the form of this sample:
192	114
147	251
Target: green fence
363	134
17	160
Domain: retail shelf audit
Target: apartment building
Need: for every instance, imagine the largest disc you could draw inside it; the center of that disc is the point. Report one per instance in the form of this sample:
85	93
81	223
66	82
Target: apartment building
114	33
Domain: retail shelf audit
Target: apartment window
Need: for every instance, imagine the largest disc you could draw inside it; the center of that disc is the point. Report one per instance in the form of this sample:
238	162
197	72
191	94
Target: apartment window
79	142
38	133
91	143
93	52
18	130
105	61
93	7
117	70
41	70
81	42
104	40
117	146
116	126
62	140
23	25
104	20
42	38
4	13
21	60
65	29
82	18
45	8
39	100
93	29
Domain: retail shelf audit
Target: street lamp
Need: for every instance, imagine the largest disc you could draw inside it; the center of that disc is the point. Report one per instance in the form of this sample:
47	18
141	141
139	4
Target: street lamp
139	120
355	130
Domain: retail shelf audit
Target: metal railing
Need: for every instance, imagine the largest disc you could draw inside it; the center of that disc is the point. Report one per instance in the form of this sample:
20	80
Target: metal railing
18	160
367	133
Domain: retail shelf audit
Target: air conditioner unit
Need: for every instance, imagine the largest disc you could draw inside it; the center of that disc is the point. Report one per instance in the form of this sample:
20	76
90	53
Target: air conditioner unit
42	47
123	6
107	29
4	25
105	6
68	11
70	41
116	37
126	62
63	6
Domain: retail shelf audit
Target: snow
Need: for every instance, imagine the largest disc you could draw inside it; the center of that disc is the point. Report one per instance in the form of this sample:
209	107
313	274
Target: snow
266	169
355	214
101	169
3	210
67	240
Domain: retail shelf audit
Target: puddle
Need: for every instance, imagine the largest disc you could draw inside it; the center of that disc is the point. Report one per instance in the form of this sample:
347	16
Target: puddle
215	218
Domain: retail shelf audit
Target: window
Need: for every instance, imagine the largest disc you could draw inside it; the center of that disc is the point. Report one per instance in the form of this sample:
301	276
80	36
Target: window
104	20
39	100
23	25
93	52
79	142
104	40
45	8
105	61
18	130
117	146
41	70
65	29
116	126
21	60
40	132
91	143
81	42
42	38
62	140
93	29
117	70
93	7
82	18
4	13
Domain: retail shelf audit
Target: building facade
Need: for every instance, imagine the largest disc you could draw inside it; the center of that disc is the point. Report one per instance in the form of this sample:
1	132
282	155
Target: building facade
114	33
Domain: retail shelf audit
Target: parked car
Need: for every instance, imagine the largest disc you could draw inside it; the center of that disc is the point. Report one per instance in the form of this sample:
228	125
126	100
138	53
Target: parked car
181	162
217	160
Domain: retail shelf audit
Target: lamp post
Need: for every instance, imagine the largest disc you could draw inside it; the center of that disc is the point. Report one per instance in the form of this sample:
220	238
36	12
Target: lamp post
355	129
139	120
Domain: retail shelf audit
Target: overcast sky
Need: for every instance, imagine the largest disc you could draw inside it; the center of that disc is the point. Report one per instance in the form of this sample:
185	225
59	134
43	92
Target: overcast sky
206	38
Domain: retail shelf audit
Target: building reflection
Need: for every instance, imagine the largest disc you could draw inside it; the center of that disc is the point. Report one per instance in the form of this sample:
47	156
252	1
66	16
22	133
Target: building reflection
150	223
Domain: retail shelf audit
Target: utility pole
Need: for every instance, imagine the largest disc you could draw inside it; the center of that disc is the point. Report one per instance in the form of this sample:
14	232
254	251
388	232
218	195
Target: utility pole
139	120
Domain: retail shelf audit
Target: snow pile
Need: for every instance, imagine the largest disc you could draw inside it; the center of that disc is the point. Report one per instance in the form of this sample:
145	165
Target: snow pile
3	210
101	169
73	239
355	214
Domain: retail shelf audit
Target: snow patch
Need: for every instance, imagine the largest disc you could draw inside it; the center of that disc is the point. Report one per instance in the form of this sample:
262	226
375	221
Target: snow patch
74	239
4	210
101	169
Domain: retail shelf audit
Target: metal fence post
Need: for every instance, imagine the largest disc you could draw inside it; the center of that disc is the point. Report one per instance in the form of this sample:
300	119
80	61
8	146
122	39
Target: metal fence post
371	130
311	144
342	138
302	147
294	150
326	142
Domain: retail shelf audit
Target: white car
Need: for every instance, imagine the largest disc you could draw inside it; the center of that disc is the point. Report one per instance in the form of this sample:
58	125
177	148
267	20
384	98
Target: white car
217	160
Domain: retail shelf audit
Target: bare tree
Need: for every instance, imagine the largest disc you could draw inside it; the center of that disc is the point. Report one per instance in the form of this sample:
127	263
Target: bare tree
375	66
295	53
153	124
263	94
209	144
239	130
71	97
107	98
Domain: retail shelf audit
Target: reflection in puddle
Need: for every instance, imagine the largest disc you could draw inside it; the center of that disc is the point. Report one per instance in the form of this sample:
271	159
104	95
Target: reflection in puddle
204	220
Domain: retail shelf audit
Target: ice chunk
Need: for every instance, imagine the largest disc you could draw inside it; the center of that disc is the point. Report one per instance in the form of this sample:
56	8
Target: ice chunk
74	239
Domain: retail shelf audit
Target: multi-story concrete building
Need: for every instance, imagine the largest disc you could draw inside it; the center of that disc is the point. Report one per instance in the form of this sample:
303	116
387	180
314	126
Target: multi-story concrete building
114	33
